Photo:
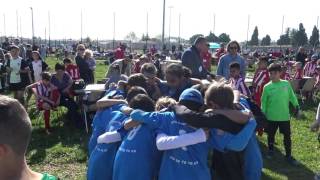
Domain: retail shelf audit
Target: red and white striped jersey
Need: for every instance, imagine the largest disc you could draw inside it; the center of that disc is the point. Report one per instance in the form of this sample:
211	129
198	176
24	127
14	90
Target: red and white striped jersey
42	89
240	85
73	71
260	79
285	76
309	69
298	74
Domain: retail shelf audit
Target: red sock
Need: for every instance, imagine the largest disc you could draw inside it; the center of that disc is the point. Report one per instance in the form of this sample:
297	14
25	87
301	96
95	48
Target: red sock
46	115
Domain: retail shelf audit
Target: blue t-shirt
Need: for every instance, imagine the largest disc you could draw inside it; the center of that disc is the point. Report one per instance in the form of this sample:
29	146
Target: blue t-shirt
183	163
138	157
102	157
100	122
225	61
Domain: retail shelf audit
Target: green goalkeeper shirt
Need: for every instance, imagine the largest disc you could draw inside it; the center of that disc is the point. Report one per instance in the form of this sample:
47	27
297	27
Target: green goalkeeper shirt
276	97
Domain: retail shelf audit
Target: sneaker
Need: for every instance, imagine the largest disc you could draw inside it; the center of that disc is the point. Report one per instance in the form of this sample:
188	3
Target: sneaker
270	154
292	161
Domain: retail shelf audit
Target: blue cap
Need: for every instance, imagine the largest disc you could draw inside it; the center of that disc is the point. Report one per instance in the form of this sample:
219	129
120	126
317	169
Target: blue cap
191	94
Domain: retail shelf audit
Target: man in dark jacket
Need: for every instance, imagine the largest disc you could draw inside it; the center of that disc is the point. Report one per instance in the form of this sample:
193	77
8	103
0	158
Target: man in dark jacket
301	56
191	58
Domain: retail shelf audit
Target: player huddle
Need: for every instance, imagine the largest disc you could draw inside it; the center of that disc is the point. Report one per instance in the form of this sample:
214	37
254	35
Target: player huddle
137	138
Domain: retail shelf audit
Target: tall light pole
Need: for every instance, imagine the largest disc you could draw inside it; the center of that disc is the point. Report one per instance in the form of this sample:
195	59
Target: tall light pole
248	31
17	18
163	21
32	26
170	8
4	25
81	26
282	28
214	23
49	28
20	28
282	24
147	36
179	28
114	29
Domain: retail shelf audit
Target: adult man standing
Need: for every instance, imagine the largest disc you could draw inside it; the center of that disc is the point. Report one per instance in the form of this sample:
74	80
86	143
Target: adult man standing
233	48
21	47
192	59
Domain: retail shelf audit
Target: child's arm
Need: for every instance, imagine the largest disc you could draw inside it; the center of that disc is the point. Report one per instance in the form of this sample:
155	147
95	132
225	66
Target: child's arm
106	102
165	142
292	97
151	118
195	81
109	137
235	115
208	120
240	141
264	100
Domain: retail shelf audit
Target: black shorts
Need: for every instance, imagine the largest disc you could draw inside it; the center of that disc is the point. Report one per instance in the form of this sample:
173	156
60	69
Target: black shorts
16	86
284	127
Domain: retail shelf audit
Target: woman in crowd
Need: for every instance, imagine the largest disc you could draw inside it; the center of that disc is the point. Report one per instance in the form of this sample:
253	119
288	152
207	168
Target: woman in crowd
62	80
88	55
82	64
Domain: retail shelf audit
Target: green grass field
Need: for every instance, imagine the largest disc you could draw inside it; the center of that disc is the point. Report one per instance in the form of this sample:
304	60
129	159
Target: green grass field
64	152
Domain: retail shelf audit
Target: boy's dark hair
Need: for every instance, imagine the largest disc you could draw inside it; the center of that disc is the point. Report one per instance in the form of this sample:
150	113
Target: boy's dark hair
135	90
220	94
143	102
59	66
176	70
46	76
15	125
137	80
274	67
67	60
149	68
234	65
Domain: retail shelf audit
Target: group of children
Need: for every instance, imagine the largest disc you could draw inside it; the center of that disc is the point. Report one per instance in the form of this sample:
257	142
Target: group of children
135	138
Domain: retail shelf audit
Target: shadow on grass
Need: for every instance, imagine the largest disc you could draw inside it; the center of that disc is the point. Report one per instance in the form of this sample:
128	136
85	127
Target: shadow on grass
64	135
279	165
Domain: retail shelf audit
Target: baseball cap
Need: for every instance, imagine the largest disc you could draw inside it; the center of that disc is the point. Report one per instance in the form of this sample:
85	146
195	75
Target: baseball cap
191	94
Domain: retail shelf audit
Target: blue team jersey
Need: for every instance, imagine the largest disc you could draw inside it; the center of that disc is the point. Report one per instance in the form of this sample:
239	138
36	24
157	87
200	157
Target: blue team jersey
138	157
99	124
102	157
253	162
187	163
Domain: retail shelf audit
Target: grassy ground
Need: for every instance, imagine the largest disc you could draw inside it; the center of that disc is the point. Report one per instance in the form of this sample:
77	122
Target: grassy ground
64	153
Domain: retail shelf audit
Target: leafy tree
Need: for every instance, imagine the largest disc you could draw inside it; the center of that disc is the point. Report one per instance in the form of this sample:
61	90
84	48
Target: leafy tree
266	41
285	38
314	38
212	37
255	37
131	37
299	37
194	37
145	37
225	38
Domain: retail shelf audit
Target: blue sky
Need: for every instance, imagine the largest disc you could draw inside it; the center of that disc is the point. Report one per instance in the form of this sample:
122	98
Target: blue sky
196	17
